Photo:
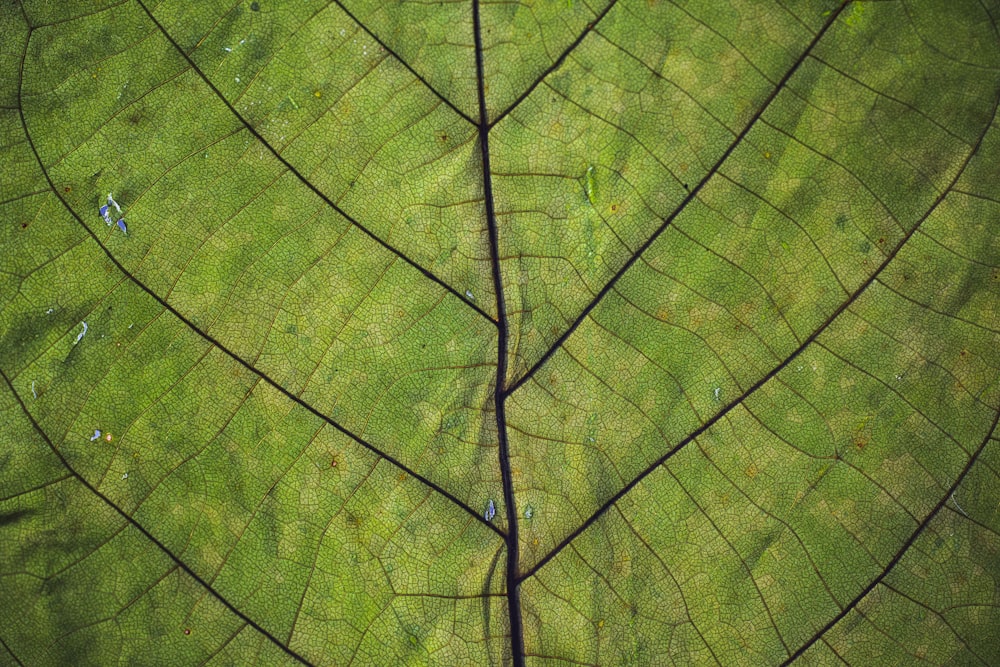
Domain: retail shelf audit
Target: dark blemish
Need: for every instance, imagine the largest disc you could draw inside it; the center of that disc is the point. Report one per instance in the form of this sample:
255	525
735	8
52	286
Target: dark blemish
24	225
865	247
7	518
67	189
255	6
840	222
187	631
685	186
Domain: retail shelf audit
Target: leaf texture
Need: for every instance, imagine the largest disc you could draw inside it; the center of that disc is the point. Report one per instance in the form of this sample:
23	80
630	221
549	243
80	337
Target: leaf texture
620	332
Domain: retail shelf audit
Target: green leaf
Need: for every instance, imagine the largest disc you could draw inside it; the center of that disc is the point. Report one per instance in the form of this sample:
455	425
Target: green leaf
625	332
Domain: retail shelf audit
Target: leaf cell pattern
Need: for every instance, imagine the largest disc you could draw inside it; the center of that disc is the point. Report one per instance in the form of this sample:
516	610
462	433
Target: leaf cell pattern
699	298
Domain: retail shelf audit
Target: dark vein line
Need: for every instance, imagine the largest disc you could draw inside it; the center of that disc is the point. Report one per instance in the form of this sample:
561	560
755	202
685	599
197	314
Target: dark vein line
135	524
499	393
902	549
38	487
680	207
823	326
302	179
941	617
554	66
11	653
235	357
402	61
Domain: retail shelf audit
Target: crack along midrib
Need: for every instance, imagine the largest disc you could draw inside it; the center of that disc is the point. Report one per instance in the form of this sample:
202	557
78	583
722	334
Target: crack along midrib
499	387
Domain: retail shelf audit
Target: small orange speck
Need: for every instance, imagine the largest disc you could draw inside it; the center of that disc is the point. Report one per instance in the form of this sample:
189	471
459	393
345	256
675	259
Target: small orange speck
600	623
402	477
318	94
333	462
109	437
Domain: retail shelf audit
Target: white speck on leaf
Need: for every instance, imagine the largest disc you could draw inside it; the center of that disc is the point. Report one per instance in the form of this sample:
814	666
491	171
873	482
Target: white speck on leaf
468	293
491	511
50	311
125	476
81	334
529	512
34	394
717	391
97	434
227	49
959	506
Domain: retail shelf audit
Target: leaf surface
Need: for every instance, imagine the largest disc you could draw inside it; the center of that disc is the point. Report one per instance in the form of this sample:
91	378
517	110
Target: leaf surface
700	298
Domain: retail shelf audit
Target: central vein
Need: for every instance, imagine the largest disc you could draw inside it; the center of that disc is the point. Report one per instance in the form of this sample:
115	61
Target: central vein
513	594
